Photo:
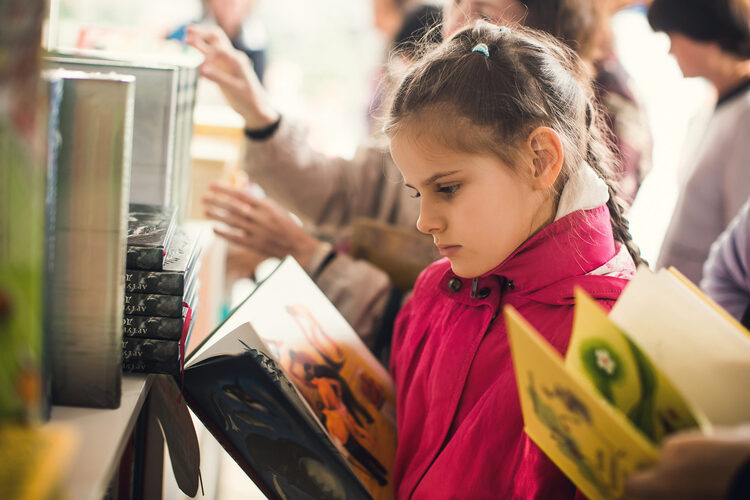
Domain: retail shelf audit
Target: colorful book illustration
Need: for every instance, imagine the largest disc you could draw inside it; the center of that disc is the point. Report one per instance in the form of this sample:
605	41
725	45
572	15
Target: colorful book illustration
602	412
294	396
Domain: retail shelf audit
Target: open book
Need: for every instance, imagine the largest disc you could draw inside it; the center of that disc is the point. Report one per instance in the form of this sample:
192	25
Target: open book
294	396
666	358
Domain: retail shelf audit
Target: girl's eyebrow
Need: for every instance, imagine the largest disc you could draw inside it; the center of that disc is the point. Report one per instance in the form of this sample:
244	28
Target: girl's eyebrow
435	177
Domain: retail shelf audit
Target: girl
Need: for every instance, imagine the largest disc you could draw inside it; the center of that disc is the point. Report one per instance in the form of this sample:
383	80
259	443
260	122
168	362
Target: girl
496	133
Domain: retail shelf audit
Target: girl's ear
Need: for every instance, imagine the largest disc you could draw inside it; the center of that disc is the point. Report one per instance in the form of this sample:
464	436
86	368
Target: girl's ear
545	148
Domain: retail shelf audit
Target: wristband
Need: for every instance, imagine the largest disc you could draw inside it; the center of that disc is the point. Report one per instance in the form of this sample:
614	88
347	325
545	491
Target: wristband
261	134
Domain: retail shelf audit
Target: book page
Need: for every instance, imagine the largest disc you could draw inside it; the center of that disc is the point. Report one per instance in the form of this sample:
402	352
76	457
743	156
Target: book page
705	356
350	392
624	376
590	441
228	342
347	389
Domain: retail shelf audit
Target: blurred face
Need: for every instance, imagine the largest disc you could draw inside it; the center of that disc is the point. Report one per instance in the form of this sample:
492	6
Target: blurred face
460	13
476	208
230	14
694	57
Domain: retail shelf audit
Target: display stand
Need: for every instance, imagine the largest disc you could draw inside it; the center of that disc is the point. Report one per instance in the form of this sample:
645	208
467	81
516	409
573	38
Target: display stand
103	436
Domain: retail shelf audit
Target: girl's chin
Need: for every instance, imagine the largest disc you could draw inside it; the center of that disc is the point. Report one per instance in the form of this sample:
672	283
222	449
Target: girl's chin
463	271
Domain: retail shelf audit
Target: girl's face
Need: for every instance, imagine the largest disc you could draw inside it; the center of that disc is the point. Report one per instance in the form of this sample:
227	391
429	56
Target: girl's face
459	13
476	208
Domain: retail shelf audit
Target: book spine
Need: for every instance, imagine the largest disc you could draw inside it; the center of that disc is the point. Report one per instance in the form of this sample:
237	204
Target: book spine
153	327
159	282
150	356
149	304
145	258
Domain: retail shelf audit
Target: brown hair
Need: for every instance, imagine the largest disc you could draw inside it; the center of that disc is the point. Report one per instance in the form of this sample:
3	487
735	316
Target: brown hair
583	25
491	104
724	22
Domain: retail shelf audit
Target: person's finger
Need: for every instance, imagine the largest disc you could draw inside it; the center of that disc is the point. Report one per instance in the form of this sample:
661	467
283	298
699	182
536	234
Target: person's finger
251	242
237	193
198	43
641	485
210	34
230	220
237	238
231	206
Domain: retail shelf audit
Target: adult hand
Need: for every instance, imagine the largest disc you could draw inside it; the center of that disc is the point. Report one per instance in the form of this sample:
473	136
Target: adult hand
258	224
693	466
232	71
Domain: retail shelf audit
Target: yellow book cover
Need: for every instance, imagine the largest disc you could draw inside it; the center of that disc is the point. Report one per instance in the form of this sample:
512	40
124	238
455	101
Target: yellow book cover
630	378
588	439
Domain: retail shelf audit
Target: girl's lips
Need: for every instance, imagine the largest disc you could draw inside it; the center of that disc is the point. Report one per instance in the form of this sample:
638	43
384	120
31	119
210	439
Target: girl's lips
448	250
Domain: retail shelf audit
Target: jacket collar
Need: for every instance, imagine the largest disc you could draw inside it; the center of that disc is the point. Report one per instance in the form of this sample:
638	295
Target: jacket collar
578	242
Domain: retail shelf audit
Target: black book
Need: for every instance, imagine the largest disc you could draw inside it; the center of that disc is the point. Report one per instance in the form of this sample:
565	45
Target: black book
166	306
142	355
180	262
150	229
153	327
149	304
162	327
282	447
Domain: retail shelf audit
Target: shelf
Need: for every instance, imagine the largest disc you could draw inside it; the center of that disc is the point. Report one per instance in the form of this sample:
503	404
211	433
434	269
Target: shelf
102	435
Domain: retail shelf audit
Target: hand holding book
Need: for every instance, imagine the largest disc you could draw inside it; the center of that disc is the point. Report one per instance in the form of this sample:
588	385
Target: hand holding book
695	466
631	379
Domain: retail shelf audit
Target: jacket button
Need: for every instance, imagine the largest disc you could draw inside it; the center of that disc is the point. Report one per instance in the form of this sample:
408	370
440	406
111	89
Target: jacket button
454	284
483	293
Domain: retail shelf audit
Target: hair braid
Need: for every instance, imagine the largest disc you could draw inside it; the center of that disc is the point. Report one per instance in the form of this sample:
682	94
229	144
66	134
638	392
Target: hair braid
599	157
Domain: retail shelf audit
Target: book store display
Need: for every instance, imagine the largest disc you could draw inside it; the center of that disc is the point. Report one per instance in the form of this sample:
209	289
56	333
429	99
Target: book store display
161	289
82	297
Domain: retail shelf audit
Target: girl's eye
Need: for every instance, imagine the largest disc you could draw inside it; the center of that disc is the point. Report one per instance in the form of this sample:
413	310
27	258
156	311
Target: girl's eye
449	190
416	194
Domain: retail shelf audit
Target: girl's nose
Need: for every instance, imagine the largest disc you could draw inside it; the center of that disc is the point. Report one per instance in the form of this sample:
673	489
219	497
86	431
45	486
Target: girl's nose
429	222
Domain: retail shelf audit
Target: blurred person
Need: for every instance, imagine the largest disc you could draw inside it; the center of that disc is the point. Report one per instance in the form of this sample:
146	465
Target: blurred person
327	193
709	39
236	19
726	275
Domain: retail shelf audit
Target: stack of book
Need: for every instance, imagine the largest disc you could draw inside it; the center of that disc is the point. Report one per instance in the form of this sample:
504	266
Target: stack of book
161	289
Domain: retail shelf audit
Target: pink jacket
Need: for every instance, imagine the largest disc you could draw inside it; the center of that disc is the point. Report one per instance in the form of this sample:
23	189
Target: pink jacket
460	430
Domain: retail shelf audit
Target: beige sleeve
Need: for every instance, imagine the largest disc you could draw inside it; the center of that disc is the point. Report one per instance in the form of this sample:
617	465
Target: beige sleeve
358	289
324	191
